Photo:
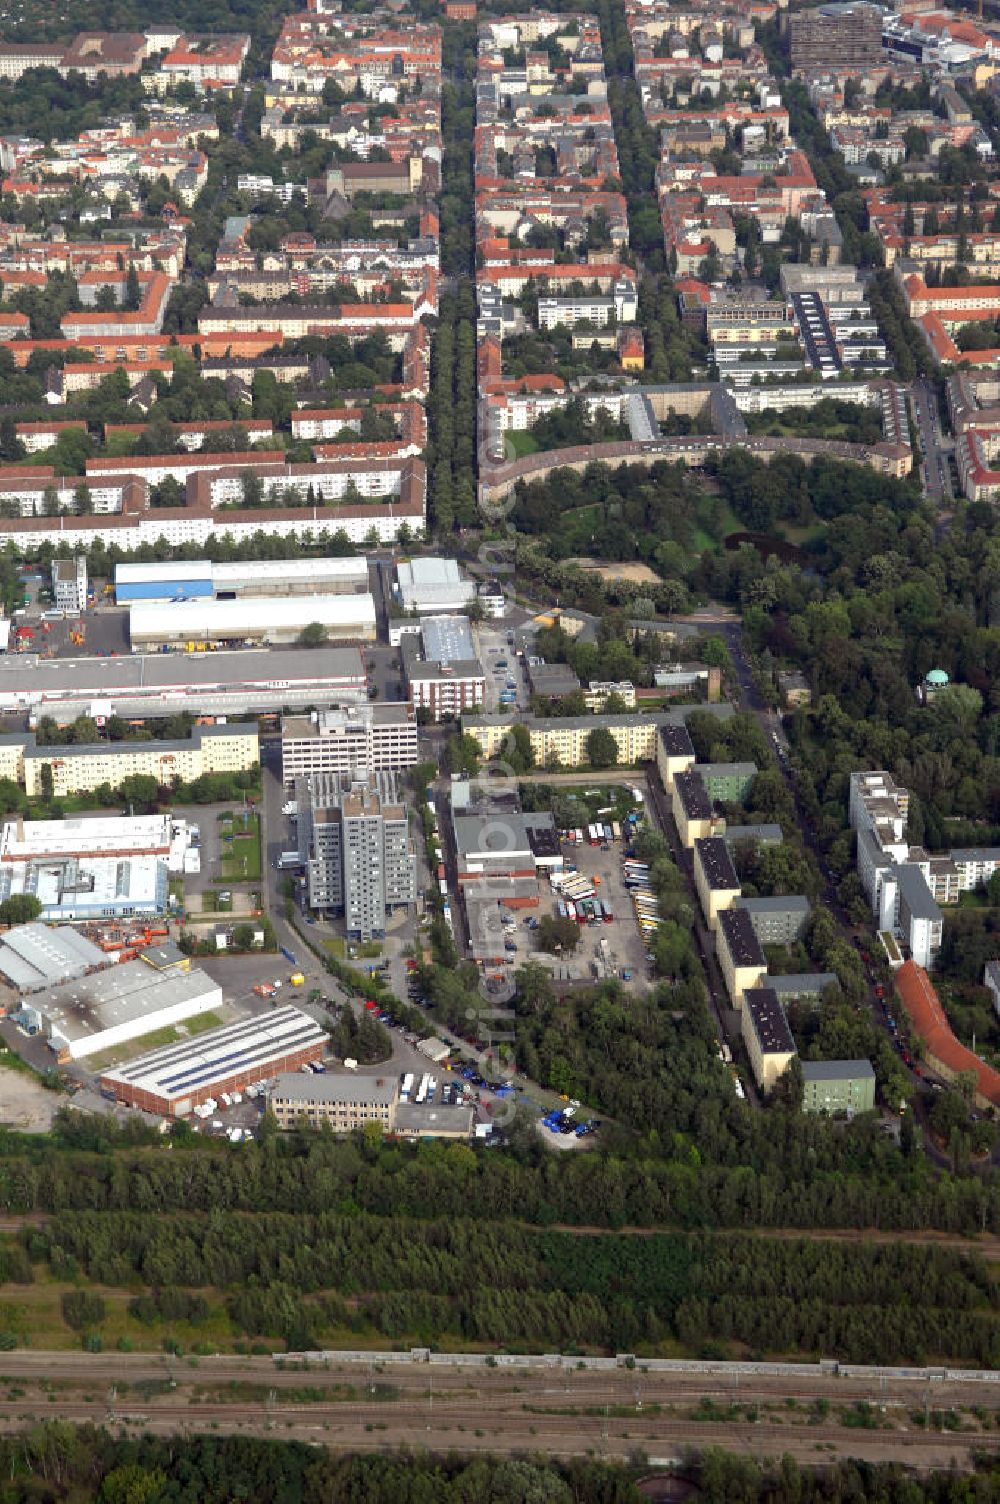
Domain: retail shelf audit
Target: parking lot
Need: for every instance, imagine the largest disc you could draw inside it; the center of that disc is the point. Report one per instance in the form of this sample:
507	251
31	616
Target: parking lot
626	950
504	671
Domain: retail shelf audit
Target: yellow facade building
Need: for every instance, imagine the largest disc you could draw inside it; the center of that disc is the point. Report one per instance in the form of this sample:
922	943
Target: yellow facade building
78	769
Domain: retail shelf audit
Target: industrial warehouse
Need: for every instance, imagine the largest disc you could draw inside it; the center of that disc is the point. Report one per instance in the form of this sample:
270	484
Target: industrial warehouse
240	623
110	1007
204	579
159	684
32	956
173	1081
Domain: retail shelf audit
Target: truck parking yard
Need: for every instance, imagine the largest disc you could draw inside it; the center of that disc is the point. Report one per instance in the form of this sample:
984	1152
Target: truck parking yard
611	942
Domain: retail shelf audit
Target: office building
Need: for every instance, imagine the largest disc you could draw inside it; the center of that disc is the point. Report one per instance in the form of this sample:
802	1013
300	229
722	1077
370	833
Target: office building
741	959
838	1086
715	878
991	981
355	844
599	691
727	782
344	1103
777	921
768	834
551	681
919	920
842	38
443	676
341	1102
69	585
767	1036
803	986
377	737
176	1079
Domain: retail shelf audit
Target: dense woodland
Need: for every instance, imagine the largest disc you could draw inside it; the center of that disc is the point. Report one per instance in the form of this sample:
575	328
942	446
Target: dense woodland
354	1239
56	1463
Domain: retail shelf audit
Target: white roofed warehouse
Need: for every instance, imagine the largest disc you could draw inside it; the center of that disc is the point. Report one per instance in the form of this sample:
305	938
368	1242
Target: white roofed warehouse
279	619
173	1081
87	1014
432	585
204	579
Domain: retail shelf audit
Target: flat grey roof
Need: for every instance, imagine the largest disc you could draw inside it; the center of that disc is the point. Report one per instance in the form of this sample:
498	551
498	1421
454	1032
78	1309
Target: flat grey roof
767	833
90	677
494	833
180	744
589	722
794	903
727	769
448	639
919	899
433	1117
837	1070
351	1090
769	1021
86	1005
803	984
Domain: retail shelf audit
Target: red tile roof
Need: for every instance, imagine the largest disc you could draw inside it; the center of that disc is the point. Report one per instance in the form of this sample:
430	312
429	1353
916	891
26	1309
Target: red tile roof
927	1015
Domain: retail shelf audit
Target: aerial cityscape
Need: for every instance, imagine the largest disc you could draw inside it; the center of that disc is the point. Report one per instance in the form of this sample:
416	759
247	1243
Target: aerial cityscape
499	751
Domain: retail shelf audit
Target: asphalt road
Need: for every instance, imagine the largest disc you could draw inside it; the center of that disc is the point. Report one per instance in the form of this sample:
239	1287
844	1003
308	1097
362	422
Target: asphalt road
936	472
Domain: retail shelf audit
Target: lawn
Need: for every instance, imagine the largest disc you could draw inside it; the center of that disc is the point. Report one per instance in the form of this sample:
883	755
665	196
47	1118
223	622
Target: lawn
241	848
157	1040
519	442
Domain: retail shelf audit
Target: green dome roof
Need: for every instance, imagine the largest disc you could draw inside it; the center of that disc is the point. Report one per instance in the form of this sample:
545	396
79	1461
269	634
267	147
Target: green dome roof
937	676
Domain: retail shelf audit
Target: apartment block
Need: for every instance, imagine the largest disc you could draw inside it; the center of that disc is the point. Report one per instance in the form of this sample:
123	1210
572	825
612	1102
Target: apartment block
692	809
355	844
767	1037
674	754
564	739
838	1086
77	769
777	921
738	950
715	878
